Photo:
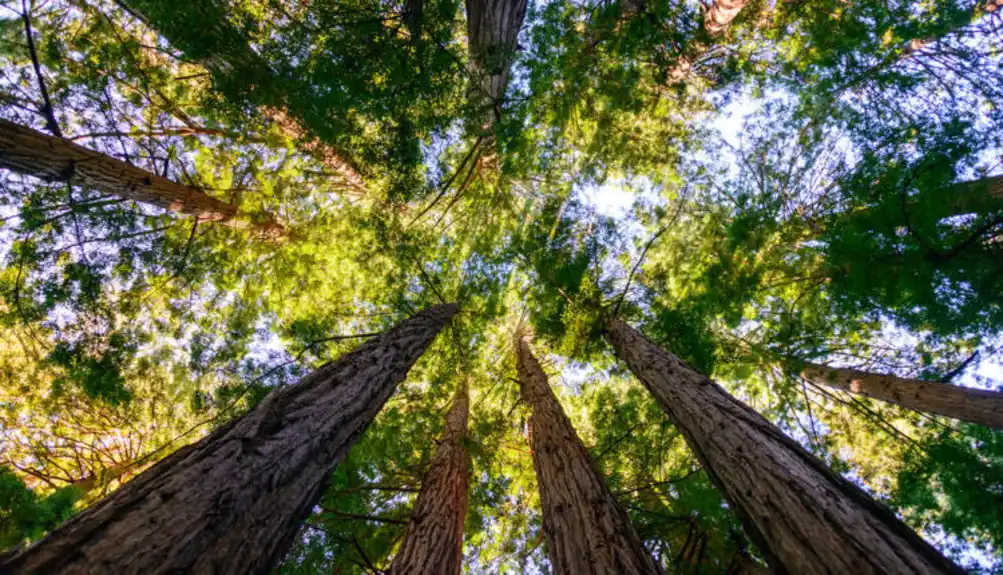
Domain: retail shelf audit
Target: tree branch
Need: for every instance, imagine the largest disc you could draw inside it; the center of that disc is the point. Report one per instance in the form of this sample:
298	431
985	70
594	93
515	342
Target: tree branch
47	111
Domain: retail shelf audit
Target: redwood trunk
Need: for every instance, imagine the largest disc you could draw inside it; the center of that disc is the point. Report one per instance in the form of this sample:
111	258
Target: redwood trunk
233	502
30	152
975	405
719	16
434	541
586	530
492	29
805	518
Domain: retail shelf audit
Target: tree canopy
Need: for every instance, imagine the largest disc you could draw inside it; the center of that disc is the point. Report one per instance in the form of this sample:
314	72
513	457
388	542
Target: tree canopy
757	186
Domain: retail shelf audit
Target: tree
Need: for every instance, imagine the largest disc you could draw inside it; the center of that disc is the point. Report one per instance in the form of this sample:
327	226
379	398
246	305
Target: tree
804	517
54	159
975	405
492	29
238	496
434	540
585	528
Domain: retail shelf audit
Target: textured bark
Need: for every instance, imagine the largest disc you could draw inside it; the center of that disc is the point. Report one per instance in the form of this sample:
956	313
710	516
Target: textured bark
805	518
719	16
203	31
586	530
434	541
30	152
232	502
492	30
975	405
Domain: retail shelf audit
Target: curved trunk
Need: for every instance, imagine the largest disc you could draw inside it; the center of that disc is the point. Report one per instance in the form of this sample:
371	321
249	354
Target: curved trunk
586	530
975	405
233	501
434	541
30	152
804	518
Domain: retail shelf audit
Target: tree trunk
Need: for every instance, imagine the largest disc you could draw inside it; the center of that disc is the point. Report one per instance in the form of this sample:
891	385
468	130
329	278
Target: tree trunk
30	152
492	30
233	502
719	16
975	405
586	530
805	518
203	32
434	541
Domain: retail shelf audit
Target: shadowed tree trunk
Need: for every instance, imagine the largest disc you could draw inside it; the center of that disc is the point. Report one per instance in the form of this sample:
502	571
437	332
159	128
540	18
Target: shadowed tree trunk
492	29
586	530
203	31
434	541
804	518
975	405
234	501
30	152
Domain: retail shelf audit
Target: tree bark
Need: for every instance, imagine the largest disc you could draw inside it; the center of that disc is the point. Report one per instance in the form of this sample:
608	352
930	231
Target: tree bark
975	405
586	530
203	32
719	16
434	541
805	518
492	30
30	152
232	502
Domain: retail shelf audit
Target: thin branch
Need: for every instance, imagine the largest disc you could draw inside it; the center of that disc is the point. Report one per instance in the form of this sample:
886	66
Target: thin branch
640	260
964	365
421	270
47	111
448	183
362	517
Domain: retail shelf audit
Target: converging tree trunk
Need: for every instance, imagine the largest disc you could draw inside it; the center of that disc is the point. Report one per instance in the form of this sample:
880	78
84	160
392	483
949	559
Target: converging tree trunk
233	501
31	152
586	530
805	518
434	541
975	405
492	30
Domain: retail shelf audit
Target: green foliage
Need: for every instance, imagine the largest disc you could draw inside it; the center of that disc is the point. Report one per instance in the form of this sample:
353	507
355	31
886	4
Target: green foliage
957	482
850	216
24	516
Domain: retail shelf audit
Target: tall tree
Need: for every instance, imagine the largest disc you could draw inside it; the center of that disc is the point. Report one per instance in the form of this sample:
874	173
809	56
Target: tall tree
967	404
28	151
585	528
804	517
492	30
237	497
434	541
